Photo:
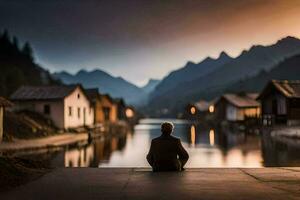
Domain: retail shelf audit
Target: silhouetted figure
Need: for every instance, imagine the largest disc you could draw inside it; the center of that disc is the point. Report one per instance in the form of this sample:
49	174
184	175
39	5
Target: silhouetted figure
166	152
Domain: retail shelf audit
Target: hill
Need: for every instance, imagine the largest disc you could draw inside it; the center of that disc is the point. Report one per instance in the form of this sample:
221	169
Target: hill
150	86
247	65
18	67
289	69
189	72
115	86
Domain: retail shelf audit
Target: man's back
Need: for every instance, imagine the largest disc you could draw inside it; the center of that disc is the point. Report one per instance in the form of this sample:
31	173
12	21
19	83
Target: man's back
167	154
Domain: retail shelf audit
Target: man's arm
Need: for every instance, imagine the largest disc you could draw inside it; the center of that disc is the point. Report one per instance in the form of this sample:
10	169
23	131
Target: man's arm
182	153
150	155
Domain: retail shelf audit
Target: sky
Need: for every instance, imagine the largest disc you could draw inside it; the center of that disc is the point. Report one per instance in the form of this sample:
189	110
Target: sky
143	39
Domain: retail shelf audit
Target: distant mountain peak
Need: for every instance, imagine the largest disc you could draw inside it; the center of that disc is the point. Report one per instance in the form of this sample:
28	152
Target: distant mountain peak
289	38
82	71
190	63
150	86
117	87
223	55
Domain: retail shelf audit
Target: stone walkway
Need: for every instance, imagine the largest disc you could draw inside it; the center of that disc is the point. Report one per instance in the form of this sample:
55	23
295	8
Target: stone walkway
94	183
45	142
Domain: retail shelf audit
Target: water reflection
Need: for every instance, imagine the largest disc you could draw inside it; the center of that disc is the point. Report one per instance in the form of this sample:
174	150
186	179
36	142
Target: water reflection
208	147
193	135
212	137
280	151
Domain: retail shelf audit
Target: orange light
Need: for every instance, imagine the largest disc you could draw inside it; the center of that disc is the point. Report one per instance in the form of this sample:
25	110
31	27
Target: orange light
212	137
211	109
129	113
193	110
193	135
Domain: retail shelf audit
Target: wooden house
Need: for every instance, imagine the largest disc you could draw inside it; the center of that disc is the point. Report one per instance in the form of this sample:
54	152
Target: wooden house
66	106
121	107
199	110
104	106
280	102
237	107
3	104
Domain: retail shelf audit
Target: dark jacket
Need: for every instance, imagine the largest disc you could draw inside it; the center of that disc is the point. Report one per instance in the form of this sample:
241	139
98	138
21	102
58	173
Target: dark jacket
167	154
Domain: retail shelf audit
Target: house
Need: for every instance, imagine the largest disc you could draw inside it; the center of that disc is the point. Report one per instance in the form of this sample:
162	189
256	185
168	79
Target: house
280	102
3	104
237	107
121	106
67	106
104	107
200	109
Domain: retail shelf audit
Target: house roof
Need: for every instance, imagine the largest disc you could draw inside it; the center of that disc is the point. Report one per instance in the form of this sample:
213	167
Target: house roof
247	100
119	101
4	102
43	92
288	88
202	105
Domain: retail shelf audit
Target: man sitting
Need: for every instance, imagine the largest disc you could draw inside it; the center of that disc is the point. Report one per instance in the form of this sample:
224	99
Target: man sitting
166	152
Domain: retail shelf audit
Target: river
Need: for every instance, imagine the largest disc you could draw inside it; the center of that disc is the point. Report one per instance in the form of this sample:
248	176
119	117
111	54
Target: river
207	147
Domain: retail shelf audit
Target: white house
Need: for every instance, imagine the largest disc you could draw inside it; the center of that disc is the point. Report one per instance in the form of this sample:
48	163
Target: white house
3	103
67	106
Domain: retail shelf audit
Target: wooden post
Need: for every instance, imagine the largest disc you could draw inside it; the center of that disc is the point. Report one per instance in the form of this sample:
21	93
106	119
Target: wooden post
1	123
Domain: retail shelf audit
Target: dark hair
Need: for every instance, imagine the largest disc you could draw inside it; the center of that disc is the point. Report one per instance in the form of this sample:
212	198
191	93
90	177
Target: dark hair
167	127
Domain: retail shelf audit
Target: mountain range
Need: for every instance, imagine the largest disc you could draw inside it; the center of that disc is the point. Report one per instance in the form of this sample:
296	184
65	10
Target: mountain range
173	93
288	69
117	87
249	71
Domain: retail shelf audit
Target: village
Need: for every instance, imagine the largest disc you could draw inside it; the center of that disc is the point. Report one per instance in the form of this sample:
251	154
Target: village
276	106
34	112
74	109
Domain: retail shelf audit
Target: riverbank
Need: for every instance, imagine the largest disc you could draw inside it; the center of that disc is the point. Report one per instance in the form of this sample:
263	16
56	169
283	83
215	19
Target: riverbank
52	142
140	183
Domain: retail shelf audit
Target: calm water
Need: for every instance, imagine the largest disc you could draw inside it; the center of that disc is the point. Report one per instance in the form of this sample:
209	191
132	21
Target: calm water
207	147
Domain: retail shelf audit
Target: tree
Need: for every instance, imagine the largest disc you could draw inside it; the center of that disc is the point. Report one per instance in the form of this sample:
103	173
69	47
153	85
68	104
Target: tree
27	51
16	42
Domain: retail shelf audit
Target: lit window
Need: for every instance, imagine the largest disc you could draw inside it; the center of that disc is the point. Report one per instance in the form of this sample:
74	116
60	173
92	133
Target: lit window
211	109
193	110
78	112
129	113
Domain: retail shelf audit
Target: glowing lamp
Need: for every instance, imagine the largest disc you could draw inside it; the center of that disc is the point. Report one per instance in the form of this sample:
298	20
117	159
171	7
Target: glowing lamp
211	108
129	113
193	110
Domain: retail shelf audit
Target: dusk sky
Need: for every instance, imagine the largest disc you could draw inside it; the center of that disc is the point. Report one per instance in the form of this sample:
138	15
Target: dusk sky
142	39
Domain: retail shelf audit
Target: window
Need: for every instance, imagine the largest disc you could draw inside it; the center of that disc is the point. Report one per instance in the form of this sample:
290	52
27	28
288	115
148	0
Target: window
47	109
78	96
78	112
106	111
70	111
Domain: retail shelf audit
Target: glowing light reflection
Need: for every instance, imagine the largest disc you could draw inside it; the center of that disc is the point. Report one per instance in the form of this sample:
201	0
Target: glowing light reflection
193	135
212	137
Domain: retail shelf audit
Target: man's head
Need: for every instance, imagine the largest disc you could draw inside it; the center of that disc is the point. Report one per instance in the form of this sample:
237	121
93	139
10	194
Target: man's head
167	128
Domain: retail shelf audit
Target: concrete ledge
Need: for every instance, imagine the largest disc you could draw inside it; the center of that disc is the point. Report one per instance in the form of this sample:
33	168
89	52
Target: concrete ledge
141	183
